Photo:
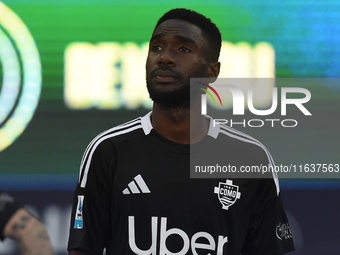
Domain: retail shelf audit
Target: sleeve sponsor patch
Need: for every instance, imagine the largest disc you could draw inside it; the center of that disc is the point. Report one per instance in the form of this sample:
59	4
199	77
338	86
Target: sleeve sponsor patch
78	222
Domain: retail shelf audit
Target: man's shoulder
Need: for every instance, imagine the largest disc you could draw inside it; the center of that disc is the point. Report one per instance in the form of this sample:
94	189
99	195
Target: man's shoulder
236	138
107	143
115	135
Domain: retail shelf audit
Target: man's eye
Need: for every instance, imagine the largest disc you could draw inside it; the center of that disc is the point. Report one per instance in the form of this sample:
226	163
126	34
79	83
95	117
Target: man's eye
185	49
156	47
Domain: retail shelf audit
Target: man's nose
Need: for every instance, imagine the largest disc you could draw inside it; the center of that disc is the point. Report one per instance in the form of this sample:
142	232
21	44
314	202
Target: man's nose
166	59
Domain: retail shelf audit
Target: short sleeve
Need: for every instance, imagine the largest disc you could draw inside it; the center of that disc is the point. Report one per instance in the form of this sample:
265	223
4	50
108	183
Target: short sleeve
269	231
89	228
7	209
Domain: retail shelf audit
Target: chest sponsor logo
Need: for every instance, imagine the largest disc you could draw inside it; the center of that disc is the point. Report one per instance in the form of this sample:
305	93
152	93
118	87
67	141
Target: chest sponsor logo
227	193
283	231
199	241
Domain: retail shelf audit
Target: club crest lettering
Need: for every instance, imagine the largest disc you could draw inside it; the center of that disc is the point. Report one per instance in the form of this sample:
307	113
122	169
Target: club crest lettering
227	193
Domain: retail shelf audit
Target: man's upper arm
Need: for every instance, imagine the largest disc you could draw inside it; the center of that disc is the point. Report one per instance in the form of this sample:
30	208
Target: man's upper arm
91	205
268	215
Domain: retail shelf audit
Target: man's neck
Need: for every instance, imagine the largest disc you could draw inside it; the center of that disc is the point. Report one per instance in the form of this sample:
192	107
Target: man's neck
174	124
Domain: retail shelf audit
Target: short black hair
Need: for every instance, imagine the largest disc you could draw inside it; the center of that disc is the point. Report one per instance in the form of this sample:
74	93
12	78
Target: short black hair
209	30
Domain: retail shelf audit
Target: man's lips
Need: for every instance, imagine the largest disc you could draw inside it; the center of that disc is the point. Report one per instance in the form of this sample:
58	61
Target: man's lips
164	79
165	76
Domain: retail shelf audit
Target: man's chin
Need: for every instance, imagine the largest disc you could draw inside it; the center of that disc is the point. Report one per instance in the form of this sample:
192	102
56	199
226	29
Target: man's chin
168	101
177	97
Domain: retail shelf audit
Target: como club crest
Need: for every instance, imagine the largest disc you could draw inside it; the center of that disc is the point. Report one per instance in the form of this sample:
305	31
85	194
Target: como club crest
227	193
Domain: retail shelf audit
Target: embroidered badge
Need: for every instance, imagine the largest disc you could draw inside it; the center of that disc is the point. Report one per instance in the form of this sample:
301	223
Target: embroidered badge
227	193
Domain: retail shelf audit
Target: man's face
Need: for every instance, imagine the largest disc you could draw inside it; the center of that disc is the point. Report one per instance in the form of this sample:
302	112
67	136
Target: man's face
177	52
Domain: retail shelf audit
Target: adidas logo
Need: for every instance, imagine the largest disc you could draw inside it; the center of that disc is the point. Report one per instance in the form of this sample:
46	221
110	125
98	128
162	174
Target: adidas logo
137	186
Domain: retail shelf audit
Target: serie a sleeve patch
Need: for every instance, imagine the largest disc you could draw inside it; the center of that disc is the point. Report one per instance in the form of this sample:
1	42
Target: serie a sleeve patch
78	221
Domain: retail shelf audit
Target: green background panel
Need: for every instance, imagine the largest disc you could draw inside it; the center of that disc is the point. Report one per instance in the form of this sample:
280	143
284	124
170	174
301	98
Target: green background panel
304	34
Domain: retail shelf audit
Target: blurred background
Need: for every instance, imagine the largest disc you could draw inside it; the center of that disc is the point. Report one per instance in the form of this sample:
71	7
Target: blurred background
71	69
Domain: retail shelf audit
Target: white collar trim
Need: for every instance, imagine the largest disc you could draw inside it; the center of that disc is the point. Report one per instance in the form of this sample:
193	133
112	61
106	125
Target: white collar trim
146	123
147	126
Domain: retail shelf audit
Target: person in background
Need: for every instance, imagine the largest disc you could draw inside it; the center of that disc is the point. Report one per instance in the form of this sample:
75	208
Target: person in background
17	223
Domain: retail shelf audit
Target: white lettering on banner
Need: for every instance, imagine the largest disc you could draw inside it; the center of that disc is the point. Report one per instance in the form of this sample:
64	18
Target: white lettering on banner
111	75
165	233
107	75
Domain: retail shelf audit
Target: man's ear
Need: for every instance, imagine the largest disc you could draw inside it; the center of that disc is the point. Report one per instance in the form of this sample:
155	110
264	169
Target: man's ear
214	70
